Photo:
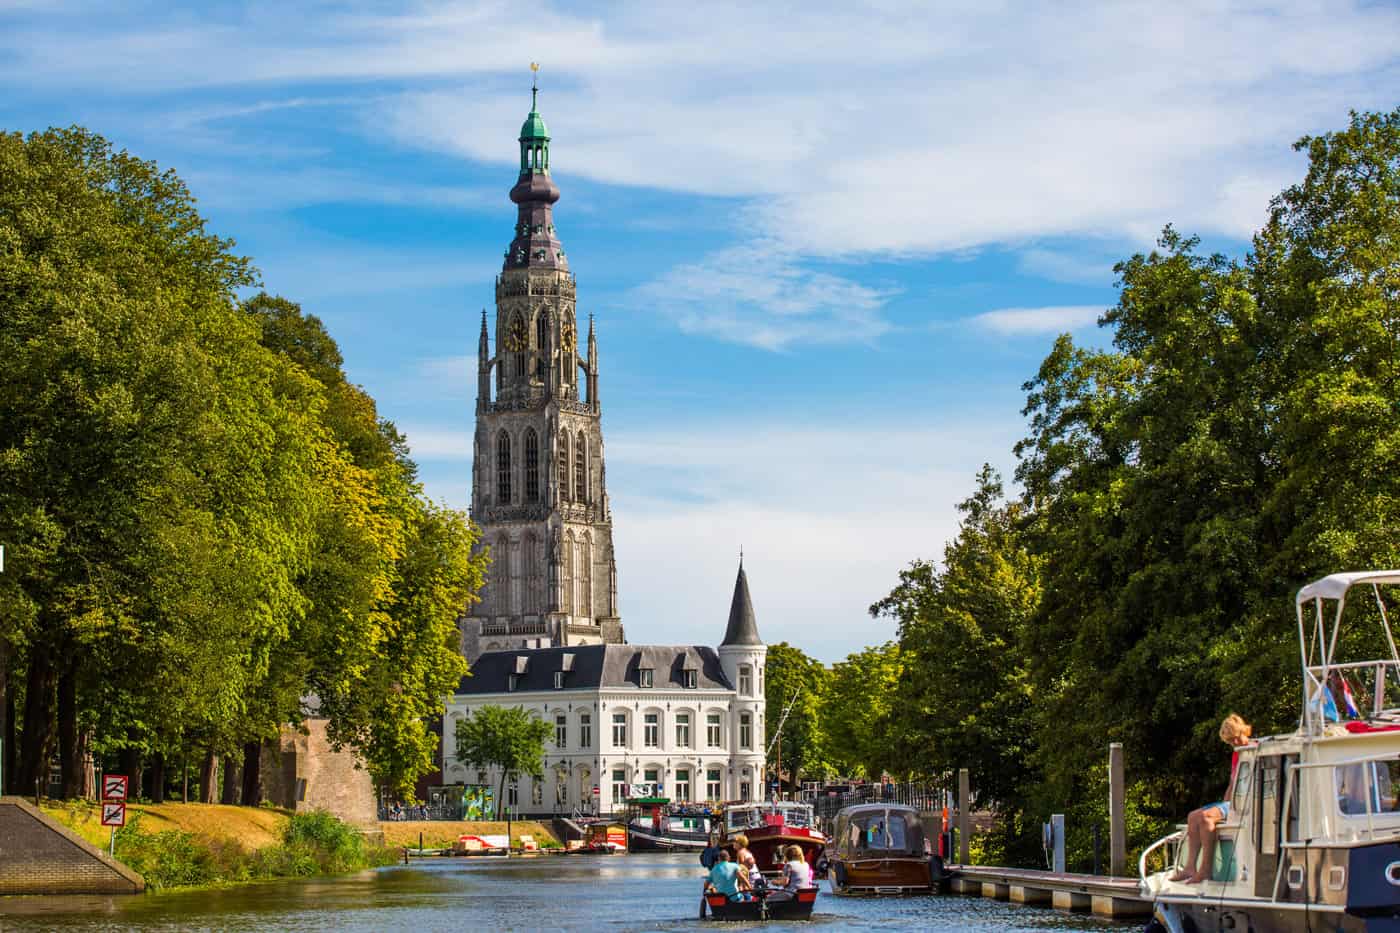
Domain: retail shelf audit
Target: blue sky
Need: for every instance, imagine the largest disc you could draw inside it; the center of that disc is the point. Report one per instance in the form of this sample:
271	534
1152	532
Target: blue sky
824	243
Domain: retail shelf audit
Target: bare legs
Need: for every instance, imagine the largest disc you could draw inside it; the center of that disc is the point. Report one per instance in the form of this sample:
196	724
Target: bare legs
1200	839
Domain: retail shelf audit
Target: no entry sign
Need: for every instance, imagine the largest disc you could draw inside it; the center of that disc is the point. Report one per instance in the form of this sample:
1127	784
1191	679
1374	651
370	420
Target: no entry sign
113	814
114	787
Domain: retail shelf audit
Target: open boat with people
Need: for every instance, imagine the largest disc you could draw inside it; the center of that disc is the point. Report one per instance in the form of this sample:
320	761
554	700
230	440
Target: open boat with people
880	848
1311	840
798	906
770	828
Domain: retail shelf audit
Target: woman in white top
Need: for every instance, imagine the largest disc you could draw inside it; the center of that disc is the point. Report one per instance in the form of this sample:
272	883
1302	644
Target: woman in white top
796	872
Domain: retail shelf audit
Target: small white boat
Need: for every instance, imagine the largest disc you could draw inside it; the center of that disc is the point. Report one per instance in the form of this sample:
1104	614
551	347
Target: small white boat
1312	841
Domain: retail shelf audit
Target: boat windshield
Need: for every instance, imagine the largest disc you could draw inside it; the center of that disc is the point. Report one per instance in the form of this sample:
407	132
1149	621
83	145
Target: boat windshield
1367	784
884	831
796	815
737	818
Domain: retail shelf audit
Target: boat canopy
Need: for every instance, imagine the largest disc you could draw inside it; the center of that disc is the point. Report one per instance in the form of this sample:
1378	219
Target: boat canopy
1327	690
1335	586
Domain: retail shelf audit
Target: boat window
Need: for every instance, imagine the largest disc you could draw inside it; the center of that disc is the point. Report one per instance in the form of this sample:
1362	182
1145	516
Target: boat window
1244	780
1268	807
1375	780
883	831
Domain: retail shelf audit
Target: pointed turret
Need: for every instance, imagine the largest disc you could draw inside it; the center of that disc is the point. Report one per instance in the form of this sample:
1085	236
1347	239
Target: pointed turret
483	367
742	629
592	366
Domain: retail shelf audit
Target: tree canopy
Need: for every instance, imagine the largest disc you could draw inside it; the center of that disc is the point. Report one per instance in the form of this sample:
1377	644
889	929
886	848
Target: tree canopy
509	738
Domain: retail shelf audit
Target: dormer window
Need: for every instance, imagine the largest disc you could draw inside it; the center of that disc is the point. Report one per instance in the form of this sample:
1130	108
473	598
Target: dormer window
558	680
690	677
644	676
512	681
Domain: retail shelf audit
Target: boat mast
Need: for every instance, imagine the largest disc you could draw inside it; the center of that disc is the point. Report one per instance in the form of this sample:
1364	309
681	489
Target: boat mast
777	737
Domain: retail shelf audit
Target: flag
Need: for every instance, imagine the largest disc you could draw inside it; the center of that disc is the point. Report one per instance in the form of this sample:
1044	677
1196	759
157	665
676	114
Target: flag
1348	700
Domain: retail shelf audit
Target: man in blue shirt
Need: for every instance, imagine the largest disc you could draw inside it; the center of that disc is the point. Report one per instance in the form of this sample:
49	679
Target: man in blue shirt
726	878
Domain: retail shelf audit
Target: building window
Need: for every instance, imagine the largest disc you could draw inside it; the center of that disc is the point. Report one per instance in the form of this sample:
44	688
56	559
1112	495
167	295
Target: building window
561	731
683	730
558	680
745	792
620	730
746	730
652	777
712	730
691	678
536	792
542	347
644	677
745	680
512	681
532	466
585	730
651	730
503	468
713	790
683	785
619	785
517	340
580	469
563	465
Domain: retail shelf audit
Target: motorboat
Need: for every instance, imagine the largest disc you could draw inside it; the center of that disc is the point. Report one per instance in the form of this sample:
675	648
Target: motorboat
1312	839
771	827
773	906
662	828
880	848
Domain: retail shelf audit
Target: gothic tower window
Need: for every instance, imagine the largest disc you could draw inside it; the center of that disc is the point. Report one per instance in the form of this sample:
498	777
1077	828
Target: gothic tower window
516	342
532	466
500	558
580	469
542	347
586	575
529	577
503	468
563	465
569	563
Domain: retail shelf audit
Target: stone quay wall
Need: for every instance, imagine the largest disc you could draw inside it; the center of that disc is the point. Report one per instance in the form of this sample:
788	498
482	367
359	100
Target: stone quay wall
38	855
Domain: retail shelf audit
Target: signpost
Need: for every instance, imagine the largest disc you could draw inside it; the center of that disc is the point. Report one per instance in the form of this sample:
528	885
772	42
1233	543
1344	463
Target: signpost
114	788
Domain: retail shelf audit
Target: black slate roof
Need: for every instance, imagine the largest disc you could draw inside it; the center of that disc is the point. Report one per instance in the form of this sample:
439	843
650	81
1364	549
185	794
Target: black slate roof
594	666
742	629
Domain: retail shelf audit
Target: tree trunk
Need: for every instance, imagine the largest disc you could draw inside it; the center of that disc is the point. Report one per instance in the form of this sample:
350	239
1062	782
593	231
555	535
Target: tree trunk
230	794
131	767
5	712
89	769
158	778
252	787
38	724
209	778
501	799
11	752
70	763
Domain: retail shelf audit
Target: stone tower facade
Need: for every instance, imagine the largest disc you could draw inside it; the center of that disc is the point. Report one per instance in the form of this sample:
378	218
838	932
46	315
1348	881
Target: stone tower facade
539	487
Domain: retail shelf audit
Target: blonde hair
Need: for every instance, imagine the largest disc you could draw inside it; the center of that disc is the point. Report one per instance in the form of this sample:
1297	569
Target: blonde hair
1234	725
741	841
794	853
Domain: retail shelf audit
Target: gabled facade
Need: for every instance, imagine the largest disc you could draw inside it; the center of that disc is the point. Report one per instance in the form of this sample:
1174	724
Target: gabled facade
687	721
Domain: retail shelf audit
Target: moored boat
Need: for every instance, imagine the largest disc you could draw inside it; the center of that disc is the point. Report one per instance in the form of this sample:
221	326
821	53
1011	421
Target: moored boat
1311	839
656	825
770	828
879	848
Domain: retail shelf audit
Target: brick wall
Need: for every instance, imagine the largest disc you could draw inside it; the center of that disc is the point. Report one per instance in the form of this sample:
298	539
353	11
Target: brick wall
334	780
40	856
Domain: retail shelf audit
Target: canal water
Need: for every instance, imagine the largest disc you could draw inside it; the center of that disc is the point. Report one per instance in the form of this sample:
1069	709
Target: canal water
615	893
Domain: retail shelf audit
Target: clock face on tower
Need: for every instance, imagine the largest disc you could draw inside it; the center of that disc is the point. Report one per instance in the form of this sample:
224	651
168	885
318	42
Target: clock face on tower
517	338
567	338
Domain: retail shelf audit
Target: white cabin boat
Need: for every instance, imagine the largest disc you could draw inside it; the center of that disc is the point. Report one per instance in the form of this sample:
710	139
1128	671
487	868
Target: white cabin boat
1312	841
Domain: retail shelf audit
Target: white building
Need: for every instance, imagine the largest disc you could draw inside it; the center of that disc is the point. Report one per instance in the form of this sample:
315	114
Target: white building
687	718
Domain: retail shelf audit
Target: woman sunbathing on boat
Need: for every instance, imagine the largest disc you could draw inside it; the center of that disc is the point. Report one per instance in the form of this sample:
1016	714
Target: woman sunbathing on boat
1201	823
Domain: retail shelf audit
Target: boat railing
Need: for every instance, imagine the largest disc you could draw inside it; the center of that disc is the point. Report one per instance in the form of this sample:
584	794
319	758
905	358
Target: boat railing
1168	844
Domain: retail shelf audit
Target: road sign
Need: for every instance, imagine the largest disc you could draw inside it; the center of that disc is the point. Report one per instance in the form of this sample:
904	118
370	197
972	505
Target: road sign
596	791
114	787
113	814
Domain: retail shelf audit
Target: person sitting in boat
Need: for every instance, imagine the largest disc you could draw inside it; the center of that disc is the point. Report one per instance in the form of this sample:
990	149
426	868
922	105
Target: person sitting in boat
1201	823
796	874
727	878
742	855
757	882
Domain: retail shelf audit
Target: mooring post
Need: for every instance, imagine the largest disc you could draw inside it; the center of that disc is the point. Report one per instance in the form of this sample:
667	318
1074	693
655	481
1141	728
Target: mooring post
1117	824
964	817
1057	830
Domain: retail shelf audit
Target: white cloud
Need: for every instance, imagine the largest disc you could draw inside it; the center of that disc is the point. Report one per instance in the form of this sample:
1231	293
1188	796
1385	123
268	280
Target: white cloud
756	294
1019	322
438	444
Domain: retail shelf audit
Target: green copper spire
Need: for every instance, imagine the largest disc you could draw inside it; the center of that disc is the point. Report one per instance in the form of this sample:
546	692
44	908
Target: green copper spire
534	137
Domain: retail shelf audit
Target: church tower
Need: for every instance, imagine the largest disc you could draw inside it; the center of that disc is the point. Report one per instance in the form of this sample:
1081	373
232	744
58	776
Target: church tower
539	488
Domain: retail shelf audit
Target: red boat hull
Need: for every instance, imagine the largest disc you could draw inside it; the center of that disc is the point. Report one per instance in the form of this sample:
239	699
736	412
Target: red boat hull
768	842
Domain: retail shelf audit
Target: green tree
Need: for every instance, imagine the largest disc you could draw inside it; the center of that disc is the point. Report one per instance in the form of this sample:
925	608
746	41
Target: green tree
796	680
508	738
856	712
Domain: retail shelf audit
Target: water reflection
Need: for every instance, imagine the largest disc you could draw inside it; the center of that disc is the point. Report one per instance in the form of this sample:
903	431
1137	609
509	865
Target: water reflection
617	893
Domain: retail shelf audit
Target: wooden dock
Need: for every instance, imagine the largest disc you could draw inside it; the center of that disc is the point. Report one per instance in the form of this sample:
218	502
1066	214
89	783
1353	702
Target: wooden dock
1102	895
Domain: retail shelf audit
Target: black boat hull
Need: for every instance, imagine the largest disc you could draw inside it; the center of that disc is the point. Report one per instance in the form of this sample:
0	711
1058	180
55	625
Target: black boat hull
1208	916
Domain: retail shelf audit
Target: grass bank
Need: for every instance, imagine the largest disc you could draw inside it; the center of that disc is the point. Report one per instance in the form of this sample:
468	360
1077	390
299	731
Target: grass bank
439	834
184	844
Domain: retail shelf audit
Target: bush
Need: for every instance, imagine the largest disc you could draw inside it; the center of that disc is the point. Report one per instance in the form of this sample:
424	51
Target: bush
317	840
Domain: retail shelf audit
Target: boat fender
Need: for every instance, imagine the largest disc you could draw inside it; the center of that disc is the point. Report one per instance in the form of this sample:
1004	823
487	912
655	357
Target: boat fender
709	856
935	870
